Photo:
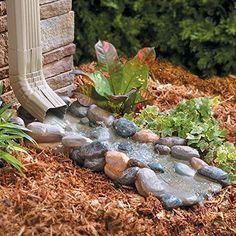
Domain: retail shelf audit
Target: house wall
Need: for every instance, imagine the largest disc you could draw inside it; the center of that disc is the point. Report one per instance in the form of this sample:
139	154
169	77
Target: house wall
57	35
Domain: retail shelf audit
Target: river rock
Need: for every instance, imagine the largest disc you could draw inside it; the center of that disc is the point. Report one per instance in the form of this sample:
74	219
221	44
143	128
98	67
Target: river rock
116	163
136	163
75	156
45	133
77	110
75	140
95	164
157	167
125	128
97	114
170	201
125	147
84	121
188	199
147	182
128	176
17	120
197	163
84	100
184	152
162	149
100	133
215	173
171	141
145	136
183	169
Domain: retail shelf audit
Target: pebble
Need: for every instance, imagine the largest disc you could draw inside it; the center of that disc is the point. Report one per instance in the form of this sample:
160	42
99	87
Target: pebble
128	176
147	182
100	133
171	141
84	121
95	164
77	110
215	174
97	114
170	201
145	136
116	163
125	128
45	133
125	147
197	163
184	152
157	167
75	140
136	163
183	169
162	149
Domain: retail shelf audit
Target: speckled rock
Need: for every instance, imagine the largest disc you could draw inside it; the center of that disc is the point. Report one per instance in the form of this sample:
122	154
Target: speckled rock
145	136
162	149
75	140
125	147
75	156
171	141
157	167
95	164
77	110
170	201
116	163
147	182
100	133
215	173
97	114
197	163
183	169
184	152
136	163
125	128
128	176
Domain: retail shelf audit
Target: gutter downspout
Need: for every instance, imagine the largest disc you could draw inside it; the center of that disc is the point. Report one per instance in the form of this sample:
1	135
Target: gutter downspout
25	60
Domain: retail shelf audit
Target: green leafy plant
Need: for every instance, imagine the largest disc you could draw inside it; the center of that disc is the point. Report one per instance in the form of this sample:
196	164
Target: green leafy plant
124	84
192	120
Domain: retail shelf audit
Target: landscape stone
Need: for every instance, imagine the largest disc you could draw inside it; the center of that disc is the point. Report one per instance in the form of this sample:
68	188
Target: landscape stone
136	163
157	167
145	136
171	141
75	156
197	163
215	174
116	163
162	149
125	128
128	176
77	110
18	121
170	201
84	121
183	169
84	100
97	114
100	133
75	140
95	164
125	147
184	152
147	182
188	199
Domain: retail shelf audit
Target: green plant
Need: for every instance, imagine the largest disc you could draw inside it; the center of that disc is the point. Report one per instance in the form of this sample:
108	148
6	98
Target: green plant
192	120
197	34
124	84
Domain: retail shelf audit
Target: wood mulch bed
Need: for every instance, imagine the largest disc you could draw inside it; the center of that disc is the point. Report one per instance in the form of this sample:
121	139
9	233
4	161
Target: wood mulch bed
57	198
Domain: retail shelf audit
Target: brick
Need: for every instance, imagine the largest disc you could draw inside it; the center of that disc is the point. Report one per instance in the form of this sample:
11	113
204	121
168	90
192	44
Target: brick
60	81
9	97
56	8
4	72
58	54
57	31
3	49
3	23
3	8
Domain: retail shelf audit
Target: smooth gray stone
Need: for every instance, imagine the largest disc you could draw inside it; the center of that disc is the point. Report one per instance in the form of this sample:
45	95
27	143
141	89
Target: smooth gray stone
95	164
77	110
75	140
162	149
128	176
171	141
215	174
183	169
125	147
184	152
100	133
188	199
74	155
125	128
170	201
84	121
157	167
17	120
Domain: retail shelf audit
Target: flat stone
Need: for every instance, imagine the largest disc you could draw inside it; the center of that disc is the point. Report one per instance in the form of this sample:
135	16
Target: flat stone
128	176
183	169
171	141
84	121
116	163
184	152
215	173
162	149
125	128
145	136
197	163
97	114
170	201
45	133
75	140
95	164
157	167
100	133
147	182
77	110
136	163
84	100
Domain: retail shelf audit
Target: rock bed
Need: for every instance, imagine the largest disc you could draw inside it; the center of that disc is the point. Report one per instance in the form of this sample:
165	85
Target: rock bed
165	167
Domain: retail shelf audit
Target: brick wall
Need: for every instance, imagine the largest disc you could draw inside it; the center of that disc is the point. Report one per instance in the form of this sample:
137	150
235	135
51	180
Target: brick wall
57	31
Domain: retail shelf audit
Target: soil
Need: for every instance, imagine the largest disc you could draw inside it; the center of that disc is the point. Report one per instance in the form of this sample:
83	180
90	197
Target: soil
57	198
